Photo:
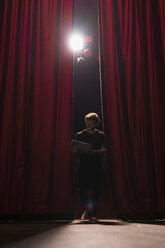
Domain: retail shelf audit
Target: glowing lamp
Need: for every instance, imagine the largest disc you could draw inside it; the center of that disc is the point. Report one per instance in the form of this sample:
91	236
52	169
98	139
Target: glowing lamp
76	42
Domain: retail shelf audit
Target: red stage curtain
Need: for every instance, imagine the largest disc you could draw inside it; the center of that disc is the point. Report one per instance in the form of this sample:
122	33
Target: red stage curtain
133	46
35	106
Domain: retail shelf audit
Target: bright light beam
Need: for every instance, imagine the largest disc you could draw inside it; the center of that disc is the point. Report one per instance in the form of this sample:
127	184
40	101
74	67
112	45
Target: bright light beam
76	42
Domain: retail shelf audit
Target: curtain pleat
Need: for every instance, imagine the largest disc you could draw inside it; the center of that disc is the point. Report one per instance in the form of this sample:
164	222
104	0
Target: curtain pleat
133	79
36	106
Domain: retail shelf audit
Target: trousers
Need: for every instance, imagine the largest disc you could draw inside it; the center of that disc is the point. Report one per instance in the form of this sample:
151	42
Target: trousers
89	182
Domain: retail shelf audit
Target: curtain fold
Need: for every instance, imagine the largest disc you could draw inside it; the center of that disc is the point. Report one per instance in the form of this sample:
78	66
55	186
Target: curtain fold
35	106
133	61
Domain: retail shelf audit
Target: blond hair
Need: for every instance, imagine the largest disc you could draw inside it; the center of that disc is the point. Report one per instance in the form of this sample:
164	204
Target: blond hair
94	117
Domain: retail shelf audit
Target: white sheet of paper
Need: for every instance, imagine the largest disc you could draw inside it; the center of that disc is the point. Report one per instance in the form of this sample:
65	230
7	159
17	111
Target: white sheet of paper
80	146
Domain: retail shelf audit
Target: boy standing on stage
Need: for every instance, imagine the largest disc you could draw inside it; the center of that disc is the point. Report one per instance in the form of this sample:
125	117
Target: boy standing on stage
90	166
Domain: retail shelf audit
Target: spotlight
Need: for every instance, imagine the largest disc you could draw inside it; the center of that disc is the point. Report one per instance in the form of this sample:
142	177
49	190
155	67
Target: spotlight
76	42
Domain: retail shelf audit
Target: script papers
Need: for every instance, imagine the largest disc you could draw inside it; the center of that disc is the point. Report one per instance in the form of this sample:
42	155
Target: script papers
80	146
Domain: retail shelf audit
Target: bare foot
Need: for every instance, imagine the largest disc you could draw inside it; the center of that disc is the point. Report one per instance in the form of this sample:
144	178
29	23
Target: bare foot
84	215
93	219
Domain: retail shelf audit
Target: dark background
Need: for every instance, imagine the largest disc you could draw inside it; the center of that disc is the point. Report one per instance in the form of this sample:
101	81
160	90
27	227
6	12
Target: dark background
87	96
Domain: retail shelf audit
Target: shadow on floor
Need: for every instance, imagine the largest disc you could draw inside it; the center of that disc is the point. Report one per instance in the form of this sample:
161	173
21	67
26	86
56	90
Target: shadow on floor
100	222
14	231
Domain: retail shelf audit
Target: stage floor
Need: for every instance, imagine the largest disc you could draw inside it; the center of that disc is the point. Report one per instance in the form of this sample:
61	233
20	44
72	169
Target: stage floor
78	234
